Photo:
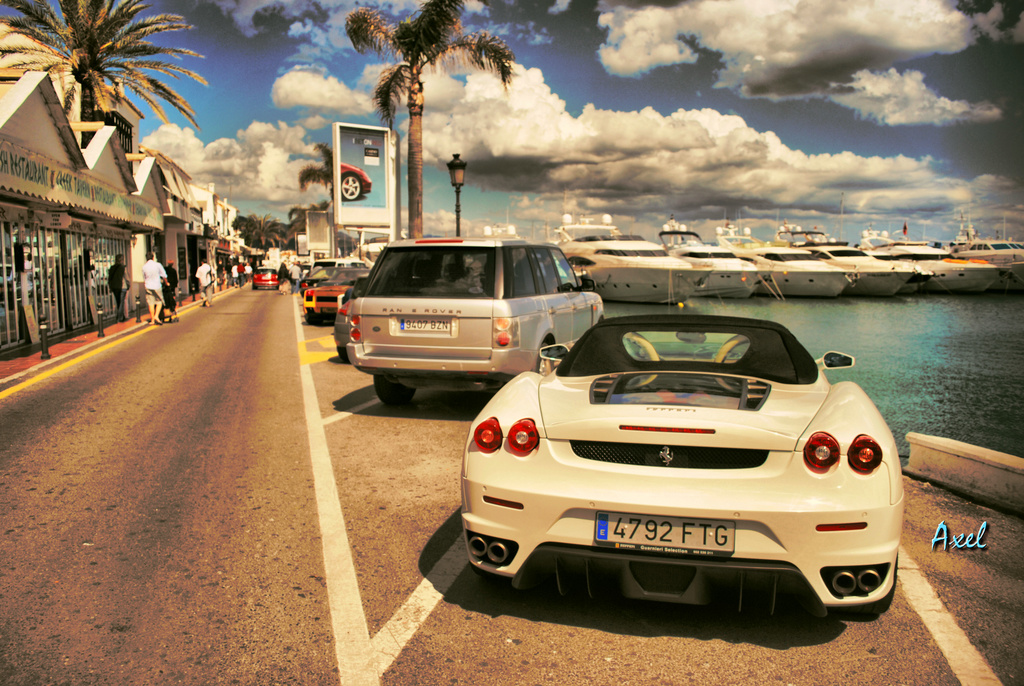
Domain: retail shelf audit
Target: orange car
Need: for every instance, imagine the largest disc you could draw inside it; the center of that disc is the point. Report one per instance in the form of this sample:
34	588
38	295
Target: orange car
320	303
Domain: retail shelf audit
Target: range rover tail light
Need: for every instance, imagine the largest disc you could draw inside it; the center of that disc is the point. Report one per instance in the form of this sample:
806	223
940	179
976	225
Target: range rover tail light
506	332
864	454
821	451
354	333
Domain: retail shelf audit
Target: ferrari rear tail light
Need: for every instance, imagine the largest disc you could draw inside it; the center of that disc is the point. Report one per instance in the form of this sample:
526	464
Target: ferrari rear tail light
821	451
523	437
487	435
864	454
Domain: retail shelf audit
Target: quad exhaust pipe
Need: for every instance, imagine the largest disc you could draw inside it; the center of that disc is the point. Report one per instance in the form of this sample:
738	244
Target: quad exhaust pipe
477	546
497	552
868	580
493	550
845	582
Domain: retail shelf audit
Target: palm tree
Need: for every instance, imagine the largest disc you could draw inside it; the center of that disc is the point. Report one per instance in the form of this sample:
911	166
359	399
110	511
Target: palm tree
103	46
322	173
265	231
431	38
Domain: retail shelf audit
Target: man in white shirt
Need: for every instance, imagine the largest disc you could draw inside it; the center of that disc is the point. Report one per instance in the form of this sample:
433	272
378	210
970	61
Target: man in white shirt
154	277
296	273
204	275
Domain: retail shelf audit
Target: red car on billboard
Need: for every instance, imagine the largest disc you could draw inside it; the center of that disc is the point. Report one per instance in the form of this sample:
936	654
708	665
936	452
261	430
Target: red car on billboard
354	182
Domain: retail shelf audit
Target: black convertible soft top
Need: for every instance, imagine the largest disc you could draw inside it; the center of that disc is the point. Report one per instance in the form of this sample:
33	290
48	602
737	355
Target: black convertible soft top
774	354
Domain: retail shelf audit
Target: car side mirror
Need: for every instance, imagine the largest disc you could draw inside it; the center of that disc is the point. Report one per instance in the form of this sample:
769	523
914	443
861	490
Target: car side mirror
587	284
551	356
834	360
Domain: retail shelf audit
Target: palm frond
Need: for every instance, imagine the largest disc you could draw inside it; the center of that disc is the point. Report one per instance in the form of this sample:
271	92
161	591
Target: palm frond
392	85
103	45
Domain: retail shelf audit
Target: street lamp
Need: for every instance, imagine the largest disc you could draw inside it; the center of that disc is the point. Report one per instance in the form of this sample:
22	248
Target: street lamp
457	170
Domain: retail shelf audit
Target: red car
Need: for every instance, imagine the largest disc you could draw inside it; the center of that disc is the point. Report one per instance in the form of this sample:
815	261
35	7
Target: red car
354	182
264	277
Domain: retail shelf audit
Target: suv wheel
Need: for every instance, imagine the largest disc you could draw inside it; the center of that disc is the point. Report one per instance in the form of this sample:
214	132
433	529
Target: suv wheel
390	392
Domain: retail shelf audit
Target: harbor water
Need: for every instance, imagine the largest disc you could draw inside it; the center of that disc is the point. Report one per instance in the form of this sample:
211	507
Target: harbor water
942	365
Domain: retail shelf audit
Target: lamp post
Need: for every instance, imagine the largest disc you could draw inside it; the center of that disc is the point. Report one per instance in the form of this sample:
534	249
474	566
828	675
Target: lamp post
457	170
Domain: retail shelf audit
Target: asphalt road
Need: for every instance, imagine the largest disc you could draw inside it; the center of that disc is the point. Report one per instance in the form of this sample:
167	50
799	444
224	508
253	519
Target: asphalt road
222	501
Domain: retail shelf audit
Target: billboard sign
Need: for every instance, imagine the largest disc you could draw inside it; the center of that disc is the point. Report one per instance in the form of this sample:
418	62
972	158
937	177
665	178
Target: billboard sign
365	176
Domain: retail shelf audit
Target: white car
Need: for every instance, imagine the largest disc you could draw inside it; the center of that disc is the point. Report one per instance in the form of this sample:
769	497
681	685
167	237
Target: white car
676	458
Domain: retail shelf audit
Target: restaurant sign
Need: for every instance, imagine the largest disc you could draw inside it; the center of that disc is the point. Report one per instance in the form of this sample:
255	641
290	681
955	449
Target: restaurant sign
33	174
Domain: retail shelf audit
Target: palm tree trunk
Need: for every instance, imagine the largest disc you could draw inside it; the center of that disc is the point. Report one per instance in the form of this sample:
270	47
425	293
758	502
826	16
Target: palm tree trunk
416	158
88	111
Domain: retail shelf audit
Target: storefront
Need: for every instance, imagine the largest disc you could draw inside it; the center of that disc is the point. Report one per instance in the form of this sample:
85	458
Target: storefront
65	214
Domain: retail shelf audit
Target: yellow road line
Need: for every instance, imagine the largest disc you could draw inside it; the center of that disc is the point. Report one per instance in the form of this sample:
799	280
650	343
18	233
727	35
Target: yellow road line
308	356
75	360
86	355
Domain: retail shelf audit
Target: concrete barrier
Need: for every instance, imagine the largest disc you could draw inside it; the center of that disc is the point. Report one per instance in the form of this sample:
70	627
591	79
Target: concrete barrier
989	477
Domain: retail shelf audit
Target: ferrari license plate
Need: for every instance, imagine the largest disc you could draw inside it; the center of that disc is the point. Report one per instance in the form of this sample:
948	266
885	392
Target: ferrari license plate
682	535
441	325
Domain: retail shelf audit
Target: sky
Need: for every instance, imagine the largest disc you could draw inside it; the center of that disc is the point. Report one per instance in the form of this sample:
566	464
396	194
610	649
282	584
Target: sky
835	115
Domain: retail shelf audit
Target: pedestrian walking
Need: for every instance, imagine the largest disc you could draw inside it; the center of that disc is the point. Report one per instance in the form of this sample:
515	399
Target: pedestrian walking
204	275
171	293
234	275
247	274
284	280
118	283
295	273
154	277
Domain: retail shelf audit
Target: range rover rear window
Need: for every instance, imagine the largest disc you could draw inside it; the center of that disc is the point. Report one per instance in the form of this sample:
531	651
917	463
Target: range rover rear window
438	272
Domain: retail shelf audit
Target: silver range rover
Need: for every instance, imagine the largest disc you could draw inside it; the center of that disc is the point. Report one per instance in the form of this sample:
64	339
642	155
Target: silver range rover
464	314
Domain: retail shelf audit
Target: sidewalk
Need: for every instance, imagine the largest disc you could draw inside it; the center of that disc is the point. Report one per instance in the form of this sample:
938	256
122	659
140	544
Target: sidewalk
23	365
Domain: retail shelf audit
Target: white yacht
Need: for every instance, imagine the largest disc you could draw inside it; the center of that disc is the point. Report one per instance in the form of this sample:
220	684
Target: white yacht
1006	254
730	276
626	268
870	276
950	274
785	271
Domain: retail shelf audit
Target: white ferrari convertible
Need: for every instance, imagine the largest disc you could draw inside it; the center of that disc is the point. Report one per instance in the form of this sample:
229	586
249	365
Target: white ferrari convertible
679	457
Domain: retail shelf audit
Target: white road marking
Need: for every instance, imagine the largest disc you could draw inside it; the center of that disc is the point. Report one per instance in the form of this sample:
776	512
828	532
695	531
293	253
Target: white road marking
337	416
967	663
351	636
392	638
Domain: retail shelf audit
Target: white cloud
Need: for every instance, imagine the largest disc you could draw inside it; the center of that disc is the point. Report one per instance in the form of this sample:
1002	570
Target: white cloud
526	142
559	7
318	93
897	99
780	44
257	168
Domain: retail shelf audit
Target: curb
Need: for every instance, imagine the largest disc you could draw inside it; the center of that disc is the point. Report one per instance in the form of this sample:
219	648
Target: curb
991	478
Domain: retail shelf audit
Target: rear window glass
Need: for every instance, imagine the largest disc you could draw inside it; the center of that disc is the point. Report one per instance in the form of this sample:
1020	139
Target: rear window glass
691	343
450	272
